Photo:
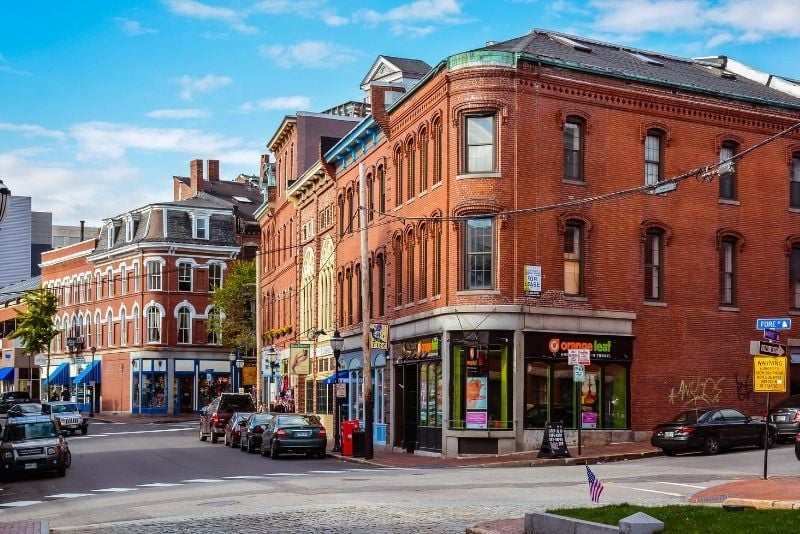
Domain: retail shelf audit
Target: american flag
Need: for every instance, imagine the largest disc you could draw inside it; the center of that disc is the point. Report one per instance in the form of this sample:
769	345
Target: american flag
595	486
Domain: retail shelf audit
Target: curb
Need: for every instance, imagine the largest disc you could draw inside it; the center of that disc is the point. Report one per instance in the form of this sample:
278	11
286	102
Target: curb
762	504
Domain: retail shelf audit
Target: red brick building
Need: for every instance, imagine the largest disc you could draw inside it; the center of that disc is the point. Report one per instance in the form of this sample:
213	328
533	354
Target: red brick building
134	303
545	194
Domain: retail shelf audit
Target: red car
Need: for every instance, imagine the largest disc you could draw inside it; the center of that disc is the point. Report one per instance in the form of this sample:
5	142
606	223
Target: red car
215	416
233	428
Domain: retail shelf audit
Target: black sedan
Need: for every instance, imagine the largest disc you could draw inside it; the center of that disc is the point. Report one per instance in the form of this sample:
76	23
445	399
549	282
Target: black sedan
710	430
253	428
298	433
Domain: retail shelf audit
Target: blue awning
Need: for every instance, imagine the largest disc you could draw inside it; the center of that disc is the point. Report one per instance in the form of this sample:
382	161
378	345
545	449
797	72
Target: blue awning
7	373
343	375
59	377
90	374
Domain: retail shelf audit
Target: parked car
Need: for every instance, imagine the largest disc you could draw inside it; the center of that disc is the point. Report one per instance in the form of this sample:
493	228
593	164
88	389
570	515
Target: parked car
710	430
233	428
69	416
253	429
25	408
31	444
797	446
10	398
215	416
786	417
298	433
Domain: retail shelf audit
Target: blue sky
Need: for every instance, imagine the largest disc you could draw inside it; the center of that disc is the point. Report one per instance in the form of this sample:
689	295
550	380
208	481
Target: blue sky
102	102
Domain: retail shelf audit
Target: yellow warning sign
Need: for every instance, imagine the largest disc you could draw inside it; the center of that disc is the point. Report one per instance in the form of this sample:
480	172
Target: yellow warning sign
769	374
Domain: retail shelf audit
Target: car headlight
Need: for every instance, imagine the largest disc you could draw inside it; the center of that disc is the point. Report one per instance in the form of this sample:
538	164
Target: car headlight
7	455
51	450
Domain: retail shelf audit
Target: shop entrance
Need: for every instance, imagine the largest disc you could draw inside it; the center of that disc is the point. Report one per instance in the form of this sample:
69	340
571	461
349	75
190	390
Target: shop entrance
185	394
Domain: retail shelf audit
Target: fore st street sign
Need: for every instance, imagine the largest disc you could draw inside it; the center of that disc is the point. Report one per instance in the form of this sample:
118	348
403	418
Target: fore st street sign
775	323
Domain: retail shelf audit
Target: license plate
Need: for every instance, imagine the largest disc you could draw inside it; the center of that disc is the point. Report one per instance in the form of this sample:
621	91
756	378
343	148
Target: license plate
302	433
780	418
30	466
669	434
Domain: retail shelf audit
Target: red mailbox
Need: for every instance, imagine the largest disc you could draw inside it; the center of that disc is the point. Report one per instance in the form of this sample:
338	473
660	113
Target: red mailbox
347	436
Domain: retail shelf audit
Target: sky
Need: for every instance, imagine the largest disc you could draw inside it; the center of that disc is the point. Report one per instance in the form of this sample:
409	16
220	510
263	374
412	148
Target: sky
103	102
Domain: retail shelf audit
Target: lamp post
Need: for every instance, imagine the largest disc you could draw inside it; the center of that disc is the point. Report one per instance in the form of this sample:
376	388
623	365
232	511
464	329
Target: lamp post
336	345
5	193
313	334
271	355
232	357
91	408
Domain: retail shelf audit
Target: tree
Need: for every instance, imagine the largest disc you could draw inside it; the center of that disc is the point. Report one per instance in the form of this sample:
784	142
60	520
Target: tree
235	301
35	328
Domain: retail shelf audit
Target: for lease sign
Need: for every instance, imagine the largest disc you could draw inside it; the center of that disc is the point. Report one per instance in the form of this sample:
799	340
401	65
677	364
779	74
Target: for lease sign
769	374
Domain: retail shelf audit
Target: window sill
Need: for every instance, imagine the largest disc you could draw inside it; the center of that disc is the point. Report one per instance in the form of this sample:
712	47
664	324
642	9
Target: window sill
409	201
409	305
794	210
437	185
422	301
656	303
728	201
473	175
573	182
576	298
794	311
729	308
475	292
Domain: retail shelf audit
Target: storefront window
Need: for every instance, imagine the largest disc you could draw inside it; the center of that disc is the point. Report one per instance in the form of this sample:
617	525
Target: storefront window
380	396
615	397
536	394
355	396
154	390
430	394
208	390
482	388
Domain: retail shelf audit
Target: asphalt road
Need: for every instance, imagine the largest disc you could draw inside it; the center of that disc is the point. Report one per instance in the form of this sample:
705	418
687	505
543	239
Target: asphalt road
162	479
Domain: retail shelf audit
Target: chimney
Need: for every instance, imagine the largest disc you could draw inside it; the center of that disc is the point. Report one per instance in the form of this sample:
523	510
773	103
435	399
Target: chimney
83	223
213	170
264	165
196	176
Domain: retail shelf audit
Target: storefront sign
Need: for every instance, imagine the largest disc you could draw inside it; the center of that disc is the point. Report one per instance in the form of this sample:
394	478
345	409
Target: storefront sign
379	338
532	282
477	387
477	420
589	419
340	390
558	345
40	360
299	361
554	444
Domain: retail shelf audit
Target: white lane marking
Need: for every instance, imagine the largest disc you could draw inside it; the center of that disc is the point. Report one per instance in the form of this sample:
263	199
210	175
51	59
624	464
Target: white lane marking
684	485
20	503
650	491
136	432
365	469
287	474
158	485
204	480
116	490
334	472
68	495
249	477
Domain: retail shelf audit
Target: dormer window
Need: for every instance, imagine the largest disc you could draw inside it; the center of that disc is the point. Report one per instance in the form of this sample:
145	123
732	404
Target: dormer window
110	235
129	229
201	227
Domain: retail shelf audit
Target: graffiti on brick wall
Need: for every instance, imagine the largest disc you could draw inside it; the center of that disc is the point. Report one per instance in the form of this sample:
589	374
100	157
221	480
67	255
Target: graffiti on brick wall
744	386
696	391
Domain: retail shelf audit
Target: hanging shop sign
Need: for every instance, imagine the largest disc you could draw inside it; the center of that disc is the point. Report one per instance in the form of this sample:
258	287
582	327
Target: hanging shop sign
299	360
379	336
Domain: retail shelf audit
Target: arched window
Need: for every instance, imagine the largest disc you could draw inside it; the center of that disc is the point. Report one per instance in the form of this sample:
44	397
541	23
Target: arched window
573	258
653	154
184	325
153	315
212	327
411	161
98	328
479	143
423	261
479	250
398	271
423	160
381	172
398	177
110	328
123	327
727	177
727	270
437	257
573	148
410	268
437	151
653	264
794	181
136	325
370	197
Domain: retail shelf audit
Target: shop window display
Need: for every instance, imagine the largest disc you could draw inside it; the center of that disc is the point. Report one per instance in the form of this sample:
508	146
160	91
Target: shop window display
482	388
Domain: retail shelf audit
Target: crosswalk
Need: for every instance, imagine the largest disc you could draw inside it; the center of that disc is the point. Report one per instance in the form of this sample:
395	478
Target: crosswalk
219	480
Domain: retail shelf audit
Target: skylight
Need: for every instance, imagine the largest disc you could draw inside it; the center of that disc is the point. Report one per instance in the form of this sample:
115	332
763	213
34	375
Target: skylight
570	43
642	57
243	199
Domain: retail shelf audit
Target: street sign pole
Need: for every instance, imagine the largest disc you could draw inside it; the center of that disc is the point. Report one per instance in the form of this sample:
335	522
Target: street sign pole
766	438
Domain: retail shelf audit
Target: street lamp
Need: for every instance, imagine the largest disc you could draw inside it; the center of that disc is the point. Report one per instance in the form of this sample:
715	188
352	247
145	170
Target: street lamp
336	345
313	334
271	354
232	357
91	408
5	193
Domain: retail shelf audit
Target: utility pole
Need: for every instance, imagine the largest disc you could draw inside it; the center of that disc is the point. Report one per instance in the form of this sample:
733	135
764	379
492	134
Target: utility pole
369	401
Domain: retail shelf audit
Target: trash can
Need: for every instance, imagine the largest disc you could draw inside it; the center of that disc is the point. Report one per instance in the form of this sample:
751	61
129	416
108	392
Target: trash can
358	443
348	427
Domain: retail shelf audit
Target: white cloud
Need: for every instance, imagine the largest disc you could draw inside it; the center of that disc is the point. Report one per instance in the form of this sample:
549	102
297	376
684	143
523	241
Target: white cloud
178	114
5	67
248	159
201	11
31	130
311	9
105	140
132	27
293	103
206	84
308	54
638	16
406	18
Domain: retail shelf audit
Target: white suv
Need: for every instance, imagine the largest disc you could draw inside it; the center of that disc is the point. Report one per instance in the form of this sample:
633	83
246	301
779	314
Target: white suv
68	416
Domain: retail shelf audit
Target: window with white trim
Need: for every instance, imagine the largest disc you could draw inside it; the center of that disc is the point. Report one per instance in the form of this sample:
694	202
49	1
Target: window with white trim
123	327
153	315
123	276
214	276
135	326
212	324
184	276
479	143
110	280
184	325
153	276
201	227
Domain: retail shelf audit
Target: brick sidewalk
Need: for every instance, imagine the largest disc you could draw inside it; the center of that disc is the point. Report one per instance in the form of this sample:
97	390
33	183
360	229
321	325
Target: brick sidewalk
25	527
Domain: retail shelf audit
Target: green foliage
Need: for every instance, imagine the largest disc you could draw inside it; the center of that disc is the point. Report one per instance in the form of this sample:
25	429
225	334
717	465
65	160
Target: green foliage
236	300
35	328
694	519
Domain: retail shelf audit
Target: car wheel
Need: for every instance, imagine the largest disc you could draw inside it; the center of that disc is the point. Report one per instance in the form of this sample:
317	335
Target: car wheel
321	455
273	451
203	437
711	445
250	448
225	441
61	471
669	452
264	451
214	437
68	459
84	430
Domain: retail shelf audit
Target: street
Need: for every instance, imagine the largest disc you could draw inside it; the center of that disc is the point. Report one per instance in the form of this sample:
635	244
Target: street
161	478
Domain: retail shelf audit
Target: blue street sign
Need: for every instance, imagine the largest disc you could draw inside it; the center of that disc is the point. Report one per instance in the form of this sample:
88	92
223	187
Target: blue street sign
772	335
779	323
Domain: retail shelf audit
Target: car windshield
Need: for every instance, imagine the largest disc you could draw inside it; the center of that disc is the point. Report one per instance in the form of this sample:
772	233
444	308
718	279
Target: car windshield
689	416
29	408
298	420
44	429
235	403
262	418
63	408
